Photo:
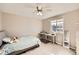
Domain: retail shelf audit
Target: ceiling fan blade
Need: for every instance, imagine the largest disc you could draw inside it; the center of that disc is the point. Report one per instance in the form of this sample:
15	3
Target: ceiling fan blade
47	9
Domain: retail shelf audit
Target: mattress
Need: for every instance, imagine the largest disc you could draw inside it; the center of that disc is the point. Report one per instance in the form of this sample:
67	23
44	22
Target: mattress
21	44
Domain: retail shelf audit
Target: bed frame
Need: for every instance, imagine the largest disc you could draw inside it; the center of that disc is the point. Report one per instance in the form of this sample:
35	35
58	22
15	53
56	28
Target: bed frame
19	52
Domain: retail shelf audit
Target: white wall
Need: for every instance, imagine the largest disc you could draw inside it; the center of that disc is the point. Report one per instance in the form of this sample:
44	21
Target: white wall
0	21
20	26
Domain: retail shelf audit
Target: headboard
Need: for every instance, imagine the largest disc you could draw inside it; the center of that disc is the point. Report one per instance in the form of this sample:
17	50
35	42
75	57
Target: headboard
2	35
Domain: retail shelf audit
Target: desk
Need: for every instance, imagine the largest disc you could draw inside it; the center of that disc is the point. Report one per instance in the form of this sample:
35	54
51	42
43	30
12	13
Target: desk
47	37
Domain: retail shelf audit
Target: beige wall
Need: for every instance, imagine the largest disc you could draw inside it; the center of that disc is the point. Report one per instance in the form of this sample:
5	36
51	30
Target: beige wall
0	21
46	25
20	26
77	38
70	24
71	20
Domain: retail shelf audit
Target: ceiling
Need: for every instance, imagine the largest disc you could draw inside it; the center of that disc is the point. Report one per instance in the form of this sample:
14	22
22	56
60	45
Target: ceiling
27	9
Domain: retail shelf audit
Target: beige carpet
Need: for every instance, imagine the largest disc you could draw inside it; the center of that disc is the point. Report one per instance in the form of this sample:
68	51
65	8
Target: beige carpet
50	49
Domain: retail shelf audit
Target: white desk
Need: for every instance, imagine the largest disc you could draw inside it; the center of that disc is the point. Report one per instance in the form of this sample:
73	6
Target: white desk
48	37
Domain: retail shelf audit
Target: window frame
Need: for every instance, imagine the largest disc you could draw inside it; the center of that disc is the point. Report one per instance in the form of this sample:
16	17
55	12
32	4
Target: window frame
57	20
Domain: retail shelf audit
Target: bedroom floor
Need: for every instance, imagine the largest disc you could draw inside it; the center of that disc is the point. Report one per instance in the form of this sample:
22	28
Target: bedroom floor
50	49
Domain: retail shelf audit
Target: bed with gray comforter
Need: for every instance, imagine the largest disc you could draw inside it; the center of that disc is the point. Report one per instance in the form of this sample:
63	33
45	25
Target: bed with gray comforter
24	43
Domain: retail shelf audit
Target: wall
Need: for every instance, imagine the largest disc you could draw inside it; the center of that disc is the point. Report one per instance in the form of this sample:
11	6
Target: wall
46	25
0	28
77	38
71	20
70	24
0	21
20	26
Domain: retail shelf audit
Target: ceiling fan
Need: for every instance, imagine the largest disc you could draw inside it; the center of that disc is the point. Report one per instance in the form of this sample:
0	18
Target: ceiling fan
39	10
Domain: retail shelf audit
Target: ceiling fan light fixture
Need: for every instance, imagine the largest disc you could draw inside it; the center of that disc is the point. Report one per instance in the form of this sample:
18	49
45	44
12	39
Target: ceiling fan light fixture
39	10
39	13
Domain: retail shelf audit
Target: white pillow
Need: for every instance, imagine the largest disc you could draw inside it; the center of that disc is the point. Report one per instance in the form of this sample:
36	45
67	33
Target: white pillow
7	39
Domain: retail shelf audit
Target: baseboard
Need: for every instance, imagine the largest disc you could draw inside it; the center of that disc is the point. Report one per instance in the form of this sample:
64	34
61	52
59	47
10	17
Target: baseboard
58	43
73	48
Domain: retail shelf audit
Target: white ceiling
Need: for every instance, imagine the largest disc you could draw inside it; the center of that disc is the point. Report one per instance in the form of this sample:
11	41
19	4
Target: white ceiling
27	9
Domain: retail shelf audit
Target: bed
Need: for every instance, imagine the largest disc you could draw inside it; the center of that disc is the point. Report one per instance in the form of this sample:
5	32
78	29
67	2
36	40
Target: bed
22	45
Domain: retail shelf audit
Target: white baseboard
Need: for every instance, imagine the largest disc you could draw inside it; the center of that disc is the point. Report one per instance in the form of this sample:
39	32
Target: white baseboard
58	43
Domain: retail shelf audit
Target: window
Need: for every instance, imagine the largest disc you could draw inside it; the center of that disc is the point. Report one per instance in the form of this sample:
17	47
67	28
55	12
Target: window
57	25
53	23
